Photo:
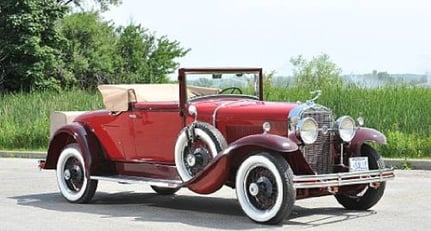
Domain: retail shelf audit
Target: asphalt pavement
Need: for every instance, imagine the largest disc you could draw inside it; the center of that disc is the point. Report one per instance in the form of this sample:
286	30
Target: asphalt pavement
30	200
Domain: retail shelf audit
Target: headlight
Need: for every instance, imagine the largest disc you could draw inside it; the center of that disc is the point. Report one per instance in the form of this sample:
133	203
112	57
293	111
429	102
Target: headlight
346	128
307	130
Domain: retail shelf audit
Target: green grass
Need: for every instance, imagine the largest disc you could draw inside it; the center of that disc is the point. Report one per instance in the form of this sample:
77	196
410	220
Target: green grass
24	117
403	114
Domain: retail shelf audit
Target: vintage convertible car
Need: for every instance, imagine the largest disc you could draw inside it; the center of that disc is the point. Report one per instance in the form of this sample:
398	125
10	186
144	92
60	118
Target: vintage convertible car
212	129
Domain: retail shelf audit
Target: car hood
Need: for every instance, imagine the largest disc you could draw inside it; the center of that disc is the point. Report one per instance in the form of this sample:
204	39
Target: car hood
255	109
231	116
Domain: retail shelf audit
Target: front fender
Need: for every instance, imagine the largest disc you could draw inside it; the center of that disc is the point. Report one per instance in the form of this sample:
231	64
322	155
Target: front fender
216	173
213	177
366	135
70	133
266	141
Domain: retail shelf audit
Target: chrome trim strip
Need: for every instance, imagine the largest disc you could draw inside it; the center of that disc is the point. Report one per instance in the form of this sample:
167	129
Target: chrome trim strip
215	113
342	179
140	180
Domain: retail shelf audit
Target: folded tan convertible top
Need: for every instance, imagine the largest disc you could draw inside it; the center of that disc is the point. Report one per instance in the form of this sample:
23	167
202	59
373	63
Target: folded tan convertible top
116	97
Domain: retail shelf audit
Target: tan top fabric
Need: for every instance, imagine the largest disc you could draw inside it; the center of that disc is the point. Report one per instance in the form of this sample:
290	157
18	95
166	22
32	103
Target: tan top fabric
117	97
61	118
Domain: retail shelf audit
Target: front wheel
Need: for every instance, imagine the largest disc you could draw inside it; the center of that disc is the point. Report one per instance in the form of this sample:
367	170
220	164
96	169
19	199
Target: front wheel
264	188
368	196
72	179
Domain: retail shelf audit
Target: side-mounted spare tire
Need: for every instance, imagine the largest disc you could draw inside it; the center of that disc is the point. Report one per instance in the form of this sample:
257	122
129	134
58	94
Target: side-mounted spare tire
196	146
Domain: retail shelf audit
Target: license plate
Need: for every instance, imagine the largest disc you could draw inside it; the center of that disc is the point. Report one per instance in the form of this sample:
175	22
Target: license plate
358	164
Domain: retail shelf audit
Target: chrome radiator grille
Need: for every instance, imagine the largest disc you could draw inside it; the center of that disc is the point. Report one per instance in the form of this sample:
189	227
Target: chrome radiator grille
318	155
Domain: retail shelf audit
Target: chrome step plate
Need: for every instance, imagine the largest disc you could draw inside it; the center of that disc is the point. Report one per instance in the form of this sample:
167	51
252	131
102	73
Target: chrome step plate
140	180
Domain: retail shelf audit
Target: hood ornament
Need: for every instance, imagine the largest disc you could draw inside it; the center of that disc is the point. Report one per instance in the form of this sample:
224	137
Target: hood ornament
315	95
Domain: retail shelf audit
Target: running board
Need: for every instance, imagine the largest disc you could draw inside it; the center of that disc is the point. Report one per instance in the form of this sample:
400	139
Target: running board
140	180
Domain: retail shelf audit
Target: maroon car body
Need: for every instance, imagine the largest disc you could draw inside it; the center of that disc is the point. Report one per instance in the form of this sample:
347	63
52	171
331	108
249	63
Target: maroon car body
204	138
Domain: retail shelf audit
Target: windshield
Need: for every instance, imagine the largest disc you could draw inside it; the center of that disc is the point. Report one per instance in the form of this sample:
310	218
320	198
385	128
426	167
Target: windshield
222	83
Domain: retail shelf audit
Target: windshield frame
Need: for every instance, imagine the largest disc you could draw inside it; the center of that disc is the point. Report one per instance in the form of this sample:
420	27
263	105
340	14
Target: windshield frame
182	79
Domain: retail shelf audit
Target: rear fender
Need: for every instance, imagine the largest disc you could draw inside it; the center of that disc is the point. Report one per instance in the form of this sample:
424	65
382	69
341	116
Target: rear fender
364	135
216	173
70	133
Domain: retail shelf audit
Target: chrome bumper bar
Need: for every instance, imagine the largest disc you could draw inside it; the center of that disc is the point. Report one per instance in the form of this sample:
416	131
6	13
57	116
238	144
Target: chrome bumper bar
343	178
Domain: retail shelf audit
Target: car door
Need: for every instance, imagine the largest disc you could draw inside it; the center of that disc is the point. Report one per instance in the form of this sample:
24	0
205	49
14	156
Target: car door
116	133
156	127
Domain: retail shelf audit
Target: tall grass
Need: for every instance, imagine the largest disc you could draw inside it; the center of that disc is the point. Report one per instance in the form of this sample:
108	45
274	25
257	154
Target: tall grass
24	117
406	109
402	113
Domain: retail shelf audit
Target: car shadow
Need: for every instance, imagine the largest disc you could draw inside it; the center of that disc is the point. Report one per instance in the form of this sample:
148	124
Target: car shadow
201	211
315	217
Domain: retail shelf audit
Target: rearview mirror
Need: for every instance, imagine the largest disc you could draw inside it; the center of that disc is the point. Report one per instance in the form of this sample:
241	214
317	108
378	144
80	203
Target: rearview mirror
216	76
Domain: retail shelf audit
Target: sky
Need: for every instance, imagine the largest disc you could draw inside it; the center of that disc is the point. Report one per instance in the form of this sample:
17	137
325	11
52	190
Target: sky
358	35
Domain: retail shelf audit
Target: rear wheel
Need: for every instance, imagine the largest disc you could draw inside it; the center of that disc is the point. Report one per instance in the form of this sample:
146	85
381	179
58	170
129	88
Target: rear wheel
72	179
264	188
164	190
368	196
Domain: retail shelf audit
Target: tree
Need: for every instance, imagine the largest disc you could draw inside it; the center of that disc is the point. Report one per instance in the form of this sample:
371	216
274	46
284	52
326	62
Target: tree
97	52
317	73
144	58
131	48
89	54
103	4
38	50
29	43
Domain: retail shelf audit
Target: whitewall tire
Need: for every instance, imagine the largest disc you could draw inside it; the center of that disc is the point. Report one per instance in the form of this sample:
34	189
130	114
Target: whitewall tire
72	181
192	157
264	188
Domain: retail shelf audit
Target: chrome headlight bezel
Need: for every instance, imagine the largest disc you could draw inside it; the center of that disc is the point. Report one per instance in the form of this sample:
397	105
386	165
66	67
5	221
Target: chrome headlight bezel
346	128
307	130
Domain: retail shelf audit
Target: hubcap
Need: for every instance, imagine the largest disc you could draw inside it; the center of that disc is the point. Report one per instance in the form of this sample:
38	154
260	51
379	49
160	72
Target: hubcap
191	160
253	189
67	174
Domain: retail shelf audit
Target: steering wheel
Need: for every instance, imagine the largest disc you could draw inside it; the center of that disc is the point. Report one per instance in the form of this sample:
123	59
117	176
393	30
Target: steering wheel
231	90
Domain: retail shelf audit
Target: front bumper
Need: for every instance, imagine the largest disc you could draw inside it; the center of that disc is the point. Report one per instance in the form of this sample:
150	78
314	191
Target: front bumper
342	178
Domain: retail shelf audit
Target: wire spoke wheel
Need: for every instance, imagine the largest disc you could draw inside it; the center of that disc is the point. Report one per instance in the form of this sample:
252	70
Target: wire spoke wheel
366	197
73	174
264	188
196	157
72	179
192	155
